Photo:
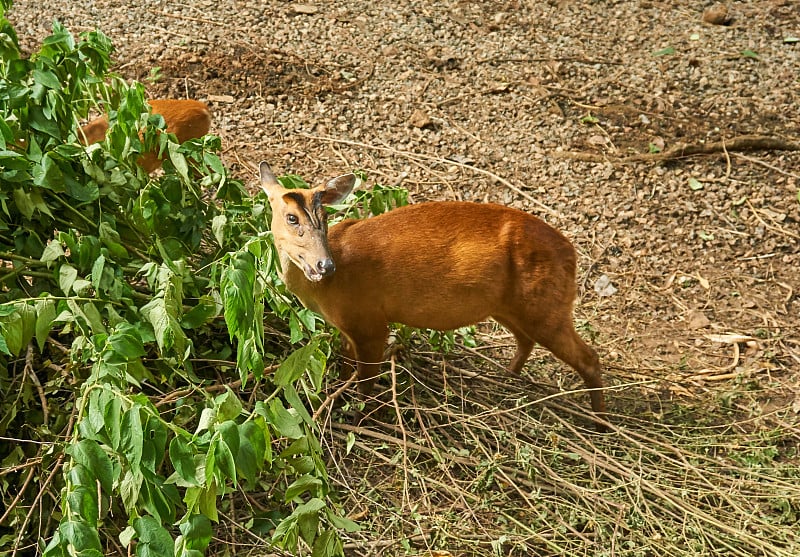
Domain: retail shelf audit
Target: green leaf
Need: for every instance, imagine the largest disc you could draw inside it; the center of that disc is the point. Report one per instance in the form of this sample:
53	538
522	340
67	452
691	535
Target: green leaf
12	332
205	310
3	345
226	448
285	422
94	318
89	454
66	278
343	523
97	271
127	344
327	544
129	489
665	51
48	175
179	161
196	532
695	184
39	121
154	540
52	251
252	449
111	240
132	437
159	499
24	202
155	442
229	433
46	78
303	484
112	420
747	53
81	536
295	365
218	228
207	501
95	419
228	406
83	501
290	393
182	458
11	160
237	288
168	333
308	519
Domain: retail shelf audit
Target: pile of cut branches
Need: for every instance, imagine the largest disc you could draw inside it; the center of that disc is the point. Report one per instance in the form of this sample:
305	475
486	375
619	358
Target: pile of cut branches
471	462
134	406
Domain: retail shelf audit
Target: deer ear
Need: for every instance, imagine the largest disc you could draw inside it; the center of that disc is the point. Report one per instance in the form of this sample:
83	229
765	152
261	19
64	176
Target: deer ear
338	189
269	183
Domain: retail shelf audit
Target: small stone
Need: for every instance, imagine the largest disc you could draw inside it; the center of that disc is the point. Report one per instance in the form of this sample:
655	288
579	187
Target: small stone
696	319
420	119
716	15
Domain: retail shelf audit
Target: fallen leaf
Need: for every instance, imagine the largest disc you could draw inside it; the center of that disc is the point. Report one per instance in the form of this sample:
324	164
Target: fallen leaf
665	51
499	87
461	159
221	98
304	9
730	338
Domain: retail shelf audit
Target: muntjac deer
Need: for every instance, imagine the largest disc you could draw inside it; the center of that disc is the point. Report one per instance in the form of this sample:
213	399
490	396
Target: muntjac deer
186	118
439	265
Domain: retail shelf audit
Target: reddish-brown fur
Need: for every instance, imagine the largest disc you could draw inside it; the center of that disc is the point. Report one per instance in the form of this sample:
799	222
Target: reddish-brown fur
186	118
439	265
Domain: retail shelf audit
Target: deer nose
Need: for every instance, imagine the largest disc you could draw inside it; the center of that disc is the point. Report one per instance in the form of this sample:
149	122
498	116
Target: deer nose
326	266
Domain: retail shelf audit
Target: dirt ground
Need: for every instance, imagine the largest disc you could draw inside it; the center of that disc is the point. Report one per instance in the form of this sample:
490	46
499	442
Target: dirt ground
487	101
534	105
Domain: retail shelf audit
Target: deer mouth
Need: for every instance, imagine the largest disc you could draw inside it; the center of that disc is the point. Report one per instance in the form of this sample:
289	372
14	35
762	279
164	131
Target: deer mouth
312	275
310	272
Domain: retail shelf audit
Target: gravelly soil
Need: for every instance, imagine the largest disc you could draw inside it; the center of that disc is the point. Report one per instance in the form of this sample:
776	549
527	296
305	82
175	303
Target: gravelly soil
487	101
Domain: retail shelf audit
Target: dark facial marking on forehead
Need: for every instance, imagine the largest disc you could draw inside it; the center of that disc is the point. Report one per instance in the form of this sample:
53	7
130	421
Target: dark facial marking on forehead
298	199
316	213
319	209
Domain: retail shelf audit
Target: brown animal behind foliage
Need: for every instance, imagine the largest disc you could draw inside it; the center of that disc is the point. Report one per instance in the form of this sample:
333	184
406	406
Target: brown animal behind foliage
186	118
440	265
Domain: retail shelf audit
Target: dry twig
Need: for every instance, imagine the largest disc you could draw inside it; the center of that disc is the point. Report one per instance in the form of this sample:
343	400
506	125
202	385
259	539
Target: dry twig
742	143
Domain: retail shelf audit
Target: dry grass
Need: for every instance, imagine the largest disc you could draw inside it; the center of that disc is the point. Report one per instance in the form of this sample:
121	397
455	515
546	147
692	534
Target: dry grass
474	463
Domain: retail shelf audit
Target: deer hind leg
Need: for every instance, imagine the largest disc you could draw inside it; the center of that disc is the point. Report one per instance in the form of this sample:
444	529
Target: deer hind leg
524	345
567	346
560	337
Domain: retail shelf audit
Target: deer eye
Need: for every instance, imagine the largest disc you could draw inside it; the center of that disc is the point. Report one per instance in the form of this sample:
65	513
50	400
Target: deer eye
292	219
